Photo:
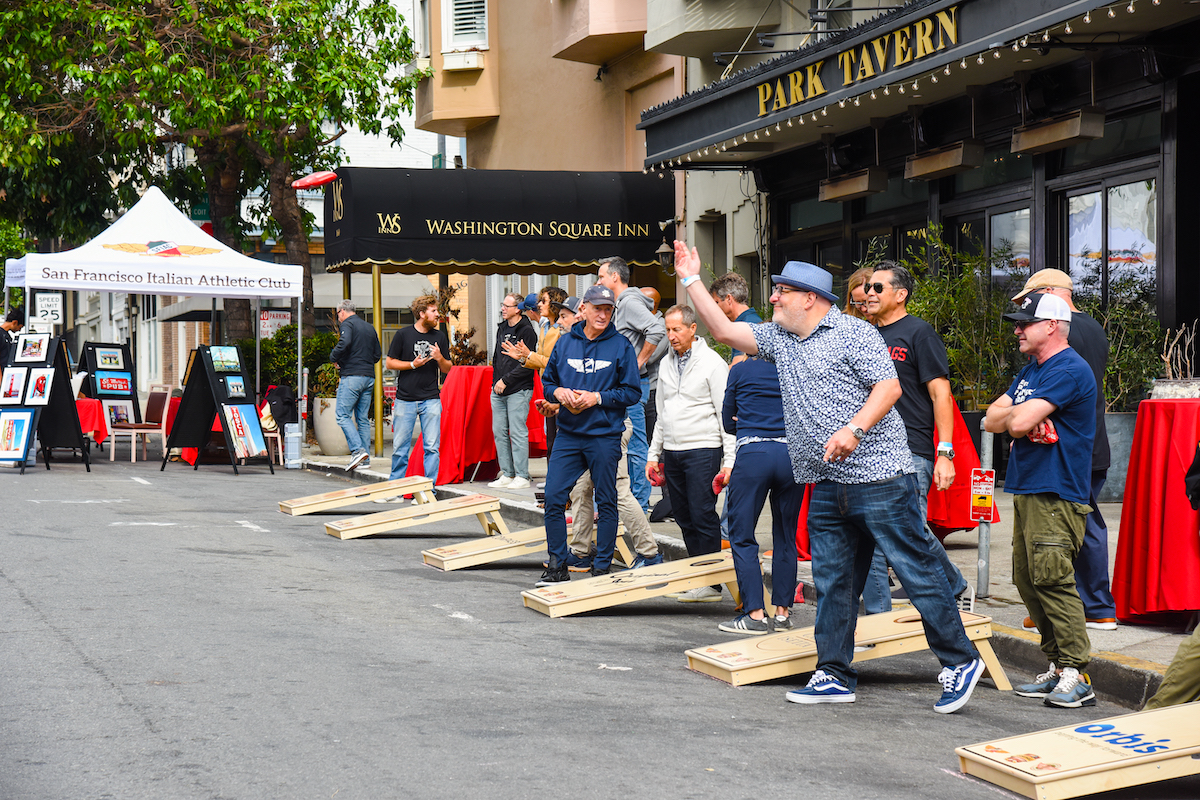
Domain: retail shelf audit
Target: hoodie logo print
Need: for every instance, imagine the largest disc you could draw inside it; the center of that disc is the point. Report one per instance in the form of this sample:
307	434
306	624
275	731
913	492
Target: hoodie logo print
588	365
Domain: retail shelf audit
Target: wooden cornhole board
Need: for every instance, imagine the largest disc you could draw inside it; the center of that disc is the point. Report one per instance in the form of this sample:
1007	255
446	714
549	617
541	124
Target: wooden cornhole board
500	547
418	486
618	588
779	655
1089	757
482	506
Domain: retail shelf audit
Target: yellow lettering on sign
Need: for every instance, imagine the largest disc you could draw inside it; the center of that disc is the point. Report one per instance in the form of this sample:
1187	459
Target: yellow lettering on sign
815	87
764	94
339	209
865	68
903	51
780	96
924	37
796	82
948	26
846	61
881	51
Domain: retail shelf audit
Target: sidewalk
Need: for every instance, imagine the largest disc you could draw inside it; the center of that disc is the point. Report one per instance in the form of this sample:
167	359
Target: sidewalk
1127	665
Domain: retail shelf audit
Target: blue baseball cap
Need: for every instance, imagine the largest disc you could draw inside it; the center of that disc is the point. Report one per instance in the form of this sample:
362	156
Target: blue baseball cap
529	303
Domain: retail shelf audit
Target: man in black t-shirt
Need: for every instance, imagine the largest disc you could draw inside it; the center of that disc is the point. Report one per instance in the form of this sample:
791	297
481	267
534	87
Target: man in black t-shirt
921	364
417	354
1087	338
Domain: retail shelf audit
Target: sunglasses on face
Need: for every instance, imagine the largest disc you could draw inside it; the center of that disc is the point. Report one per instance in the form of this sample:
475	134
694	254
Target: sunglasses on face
877	288
1025	323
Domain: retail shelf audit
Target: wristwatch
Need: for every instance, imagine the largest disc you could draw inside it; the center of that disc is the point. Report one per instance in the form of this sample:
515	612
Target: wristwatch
858	432
946	449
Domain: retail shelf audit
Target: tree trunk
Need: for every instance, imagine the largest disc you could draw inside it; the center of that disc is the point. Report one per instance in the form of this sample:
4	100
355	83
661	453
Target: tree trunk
221	163
285	209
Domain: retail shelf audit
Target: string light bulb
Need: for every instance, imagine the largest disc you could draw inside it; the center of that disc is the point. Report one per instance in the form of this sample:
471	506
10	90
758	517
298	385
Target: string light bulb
1129	8
933	78
979	60
872	94
1067	29
841	103
1046	36
996	54
946	71
1112	14
1087	18
1016	46
915	86
825	111
887	90
901	88
963	64
856	101
790	121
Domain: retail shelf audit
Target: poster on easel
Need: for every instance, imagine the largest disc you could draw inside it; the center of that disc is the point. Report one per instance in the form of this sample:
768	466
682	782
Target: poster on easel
110	374
214	392
35	399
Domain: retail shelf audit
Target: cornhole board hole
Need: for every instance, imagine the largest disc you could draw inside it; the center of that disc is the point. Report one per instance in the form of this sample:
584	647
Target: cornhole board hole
498	548
482	506
779	655
419	487
630	585
1091	757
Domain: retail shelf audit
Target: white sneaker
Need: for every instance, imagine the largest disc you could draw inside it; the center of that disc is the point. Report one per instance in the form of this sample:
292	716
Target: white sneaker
518	483
500	483
701	594
541	485
399	498
966	600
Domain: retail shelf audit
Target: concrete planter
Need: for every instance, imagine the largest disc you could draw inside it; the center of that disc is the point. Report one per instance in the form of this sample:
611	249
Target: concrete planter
329	434
1120	441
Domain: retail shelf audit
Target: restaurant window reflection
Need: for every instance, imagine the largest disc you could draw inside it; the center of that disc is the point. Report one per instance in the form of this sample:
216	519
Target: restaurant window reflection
1111	242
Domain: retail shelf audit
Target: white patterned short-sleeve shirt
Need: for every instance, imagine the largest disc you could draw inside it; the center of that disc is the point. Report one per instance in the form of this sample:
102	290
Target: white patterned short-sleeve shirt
826	379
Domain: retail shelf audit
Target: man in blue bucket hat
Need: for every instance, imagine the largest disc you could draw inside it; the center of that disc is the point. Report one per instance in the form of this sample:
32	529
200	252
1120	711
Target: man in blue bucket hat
845	438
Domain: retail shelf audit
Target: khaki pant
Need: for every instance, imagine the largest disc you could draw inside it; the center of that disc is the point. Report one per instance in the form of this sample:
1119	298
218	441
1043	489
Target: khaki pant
628	510
1047	534
1182	681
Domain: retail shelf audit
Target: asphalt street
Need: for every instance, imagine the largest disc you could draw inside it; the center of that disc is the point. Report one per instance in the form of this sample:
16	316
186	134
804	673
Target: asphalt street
172	635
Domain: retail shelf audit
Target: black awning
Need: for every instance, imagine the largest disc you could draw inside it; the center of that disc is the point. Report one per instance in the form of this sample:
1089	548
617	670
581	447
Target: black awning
492	221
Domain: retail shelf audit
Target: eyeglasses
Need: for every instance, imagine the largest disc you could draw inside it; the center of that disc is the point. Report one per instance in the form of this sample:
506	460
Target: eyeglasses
508	305
782	290
877	288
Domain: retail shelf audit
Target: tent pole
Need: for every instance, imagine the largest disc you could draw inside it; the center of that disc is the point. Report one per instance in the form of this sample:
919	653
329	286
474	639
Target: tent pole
300	370
377	308
257	323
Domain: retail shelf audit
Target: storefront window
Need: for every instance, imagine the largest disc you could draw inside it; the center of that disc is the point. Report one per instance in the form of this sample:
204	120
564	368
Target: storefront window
900	193
1111	251
805	214
1010	231
999	167
1125	137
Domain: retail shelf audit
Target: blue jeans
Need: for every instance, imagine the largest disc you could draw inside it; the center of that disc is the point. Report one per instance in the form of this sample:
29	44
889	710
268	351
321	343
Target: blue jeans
761	467
573	455
877	594
846	522
404	414
1091	563
353	404
639	449
510	428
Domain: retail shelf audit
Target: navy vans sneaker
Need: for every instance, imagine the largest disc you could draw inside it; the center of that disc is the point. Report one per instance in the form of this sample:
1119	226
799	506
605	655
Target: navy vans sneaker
822	688
646	561
957	685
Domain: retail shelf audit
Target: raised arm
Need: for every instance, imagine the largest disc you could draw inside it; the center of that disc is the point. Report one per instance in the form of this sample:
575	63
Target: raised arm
735	334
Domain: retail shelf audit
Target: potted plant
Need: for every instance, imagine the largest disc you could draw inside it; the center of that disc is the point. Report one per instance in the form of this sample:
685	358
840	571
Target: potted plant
329	434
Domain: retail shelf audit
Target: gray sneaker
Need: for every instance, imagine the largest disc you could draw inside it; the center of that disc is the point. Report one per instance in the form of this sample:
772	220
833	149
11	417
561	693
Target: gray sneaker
1073	690
359	459
966	600
746	624
701	594
781	623
1042	685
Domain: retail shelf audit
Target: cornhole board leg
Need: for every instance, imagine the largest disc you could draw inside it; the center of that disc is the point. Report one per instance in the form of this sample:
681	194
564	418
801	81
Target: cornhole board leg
1087	757
418	486
781	655
389	521
604	591
486	550
492	524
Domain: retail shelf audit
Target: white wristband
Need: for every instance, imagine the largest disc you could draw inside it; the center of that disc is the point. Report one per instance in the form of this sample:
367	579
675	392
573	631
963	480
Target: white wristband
689	280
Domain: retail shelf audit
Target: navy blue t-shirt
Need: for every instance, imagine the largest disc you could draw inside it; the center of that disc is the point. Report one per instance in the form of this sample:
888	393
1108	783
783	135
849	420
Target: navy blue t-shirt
1063	468
751	316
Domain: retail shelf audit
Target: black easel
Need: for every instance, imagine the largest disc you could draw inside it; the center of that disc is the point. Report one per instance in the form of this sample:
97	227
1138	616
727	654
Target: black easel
58	424
205	394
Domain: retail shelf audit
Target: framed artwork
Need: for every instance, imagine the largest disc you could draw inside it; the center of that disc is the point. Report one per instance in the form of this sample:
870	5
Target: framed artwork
37	393
32	347
118	412
225	359
114	382
245	431
12	386
16	426
109	358
235	386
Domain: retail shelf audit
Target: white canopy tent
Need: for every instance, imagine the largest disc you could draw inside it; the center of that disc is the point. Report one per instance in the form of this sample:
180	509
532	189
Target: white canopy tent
155	249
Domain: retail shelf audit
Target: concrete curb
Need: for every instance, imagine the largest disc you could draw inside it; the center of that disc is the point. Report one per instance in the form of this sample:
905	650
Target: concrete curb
1118	678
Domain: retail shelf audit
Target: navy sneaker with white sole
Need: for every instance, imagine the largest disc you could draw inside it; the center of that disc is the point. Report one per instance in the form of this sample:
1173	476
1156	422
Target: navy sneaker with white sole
957	685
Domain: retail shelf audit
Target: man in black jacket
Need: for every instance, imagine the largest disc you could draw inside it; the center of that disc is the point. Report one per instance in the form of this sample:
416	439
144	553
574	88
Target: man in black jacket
512	392
356	354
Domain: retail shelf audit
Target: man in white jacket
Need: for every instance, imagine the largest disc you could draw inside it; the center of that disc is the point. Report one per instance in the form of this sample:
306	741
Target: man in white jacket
690	448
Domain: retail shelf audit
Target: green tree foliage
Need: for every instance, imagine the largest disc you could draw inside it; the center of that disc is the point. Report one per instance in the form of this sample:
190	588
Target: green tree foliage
258	89
278	355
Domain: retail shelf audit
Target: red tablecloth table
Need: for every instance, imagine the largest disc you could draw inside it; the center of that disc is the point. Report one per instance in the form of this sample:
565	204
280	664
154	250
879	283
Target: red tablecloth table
188	454
1158	554
467	426
91	418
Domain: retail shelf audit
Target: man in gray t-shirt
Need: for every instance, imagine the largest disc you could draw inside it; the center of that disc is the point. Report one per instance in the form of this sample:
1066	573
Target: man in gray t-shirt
844	437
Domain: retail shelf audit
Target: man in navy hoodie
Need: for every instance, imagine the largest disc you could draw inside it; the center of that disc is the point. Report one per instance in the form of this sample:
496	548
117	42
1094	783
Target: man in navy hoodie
593	374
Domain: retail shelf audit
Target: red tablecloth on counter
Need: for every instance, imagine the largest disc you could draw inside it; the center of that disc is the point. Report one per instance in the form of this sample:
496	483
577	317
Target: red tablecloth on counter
1158	554
91	418
467	425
